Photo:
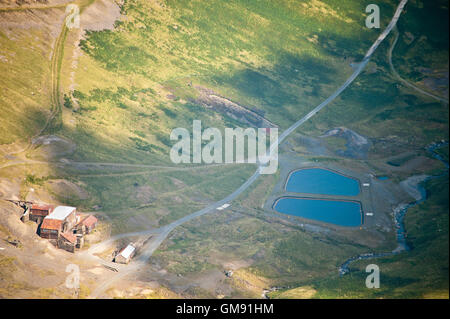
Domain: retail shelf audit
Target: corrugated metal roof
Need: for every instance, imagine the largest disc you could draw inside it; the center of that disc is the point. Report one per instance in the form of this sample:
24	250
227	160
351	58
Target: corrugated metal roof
126	253
41	207
69	237
54	224
89	221
61	212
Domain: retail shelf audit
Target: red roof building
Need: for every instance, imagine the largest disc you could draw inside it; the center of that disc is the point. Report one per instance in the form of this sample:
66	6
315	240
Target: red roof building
87	224
67	241
71	238
39	211
90	222
50	228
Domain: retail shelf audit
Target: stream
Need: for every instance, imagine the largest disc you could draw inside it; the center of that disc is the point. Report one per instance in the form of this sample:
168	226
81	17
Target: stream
399	215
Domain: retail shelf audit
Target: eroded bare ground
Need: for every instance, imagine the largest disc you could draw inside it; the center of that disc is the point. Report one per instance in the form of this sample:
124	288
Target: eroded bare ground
101	15
31	3
34	268
37	269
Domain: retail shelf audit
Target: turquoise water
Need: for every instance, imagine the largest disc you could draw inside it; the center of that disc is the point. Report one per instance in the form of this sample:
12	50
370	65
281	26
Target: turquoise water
342	213
322	181
383	178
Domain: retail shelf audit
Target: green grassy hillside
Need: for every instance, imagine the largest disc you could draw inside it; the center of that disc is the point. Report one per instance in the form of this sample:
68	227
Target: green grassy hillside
277	59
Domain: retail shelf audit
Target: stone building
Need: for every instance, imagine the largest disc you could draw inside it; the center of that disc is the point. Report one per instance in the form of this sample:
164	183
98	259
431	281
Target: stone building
86	224
67	241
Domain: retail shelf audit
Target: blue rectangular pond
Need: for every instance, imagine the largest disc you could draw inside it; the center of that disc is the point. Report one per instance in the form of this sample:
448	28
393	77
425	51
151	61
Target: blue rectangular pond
322	181
342	213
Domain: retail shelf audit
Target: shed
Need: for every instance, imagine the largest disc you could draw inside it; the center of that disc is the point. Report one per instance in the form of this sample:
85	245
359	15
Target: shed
50	228
39	211
89	223
67	241
125	255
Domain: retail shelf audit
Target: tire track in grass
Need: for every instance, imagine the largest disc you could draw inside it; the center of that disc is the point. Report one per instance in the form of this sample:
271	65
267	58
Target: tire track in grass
404	81
55	64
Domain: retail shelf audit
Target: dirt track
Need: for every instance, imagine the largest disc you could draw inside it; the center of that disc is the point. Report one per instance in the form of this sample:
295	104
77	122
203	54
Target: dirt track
405	82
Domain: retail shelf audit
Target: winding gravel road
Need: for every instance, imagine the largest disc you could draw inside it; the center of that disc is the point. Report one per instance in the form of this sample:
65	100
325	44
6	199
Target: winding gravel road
163	232
405	82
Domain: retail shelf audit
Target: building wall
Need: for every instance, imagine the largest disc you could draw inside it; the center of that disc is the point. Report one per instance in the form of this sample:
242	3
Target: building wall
49	233
121	260
63	244
37	215
36	218
40	212
71	219
80	242
90	229
80	229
